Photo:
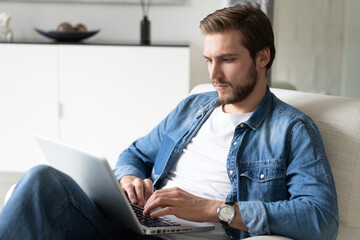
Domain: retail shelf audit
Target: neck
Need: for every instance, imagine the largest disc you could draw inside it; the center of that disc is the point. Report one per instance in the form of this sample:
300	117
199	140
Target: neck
250	103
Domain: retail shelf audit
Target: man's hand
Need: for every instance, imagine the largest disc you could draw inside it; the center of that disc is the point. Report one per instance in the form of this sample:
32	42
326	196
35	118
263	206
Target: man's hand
174	201
137	190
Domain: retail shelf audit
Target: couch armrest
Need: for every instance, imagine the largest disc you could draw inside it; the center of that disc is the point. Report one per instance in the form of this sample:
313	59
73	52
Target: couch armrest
9	192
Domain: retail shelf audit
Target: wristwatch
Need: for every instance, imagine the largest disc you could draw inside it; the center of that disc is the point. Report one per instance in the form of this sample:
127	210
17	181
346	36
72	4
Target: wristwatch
226	213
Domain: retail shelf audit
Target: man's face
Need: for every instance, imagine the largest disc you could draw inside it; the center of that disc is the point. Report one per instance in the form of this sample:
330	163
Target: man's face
232	70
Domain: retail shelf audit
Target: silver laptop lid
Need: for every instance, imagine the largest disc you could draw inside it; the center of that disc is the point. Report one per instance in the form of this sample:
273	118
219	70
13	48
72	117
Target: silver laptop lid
94	175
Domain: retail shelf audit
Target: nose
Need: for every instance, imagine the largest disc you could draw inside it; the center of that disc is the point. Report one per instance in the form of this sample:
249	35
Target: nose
215	71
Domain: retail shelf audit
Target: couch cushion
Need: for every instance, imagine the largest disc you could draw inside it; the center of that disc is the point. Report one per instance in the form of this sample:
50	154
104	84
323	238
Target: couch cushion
338	120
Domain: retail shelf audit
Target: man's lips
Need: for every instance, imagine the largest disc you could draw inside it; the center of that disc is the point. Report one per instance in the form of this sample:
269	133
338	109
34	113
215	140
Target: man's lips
221	86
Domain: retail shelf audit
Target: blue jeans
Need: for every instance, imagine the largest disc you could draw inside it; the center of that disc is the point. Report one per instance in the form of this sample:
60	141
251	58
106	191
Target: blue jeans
48	204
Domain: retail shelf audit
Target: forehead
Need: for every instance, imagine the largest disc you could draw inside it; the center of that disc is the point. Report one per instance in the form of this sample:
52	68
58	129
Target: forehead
221	43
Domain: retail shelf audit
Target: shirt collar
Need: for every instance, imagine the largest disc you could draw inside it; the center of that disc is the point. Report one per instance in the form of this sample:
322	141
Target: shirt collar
256	118
261	111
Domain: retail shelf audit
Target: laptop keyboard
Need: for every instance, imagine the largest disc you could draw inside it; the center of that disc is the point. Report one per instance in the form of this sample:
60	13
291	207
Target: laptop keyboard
151	221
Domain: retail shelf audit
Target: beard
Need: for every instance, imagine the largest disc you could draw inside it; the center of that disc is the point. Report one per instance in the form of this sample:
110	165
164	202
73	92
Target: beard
240	91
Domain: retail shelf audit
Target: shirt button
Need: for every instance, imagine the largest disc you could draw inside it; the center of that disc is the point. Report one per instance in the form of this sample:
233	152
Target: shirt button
231	172
176	151
262	176
235	143
241	125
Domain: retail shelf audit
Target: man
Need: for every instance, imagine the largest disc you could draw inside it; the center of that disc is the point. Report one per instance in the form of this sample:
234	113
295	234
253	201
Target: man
237	149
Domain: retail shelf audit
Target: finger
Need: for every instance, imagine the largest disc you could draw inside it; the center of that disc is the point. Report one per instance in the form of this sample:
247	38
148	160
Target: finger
149	189
160	192
157	202
163	212
127	186
165	193
139	191
129	191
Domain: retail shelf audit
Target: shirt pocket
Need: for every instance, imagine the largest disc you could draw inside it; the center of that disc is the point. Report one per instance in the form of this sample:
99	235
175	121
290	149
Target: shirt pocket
263	180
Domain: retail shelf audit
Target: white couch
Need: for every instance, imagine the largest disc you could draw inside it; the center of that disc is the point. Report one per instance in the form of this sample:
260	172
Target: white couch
338	120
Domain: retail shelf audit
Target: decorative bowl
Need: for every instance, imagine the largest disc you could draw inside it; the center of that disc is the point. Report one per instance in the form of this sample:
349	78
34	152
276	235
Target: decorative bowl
69	36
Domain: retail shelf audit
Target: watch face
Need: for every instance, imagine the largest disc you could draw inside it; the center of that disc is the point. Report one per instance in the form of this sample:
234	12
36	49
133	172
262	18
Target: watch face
226	213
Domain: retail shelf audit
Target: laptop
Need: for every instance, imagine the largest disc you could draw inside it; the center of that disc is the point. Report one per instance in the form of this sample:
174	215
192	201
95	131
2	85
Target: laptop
96	178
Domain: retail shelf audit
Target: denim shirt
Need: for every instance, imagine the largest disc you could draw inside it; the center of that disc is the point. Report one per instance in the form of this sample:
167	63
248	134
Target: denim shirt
277	165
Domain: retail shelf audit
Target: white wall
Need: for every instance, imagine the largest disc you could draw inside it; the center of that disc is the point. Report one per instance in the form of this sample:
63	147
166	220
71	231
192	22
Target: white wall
309	35
351	64
309	42
121	23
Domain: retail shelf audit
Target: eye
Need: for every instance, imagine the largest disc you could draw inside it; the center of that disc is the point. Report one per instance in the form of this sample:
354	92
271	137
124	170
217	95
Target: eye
227	60
208	60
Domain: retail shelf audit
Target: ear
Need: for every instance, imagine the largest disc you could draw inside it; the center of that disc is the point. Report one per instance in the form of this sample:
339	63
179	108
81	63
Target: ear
263	57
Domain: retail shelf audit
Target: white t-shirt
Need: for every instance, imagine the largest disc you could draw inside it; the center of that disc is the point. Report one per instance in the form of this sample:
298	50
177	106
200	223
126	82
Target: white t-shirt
201	168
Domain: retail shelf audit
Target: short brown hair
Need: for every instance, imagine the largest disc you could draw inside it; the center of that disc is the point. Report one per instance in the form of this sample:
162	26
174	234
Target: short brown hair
254	26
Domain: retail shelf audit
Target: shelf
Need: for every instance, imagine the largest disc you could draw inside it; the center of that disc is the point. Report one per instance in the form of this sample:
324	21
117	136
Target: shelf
98	42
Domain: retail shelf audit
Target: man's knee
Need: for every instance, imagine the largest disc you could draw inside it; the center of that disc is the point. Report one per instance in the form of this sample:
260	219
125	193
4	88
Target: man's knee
40	176
39	172
37	184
